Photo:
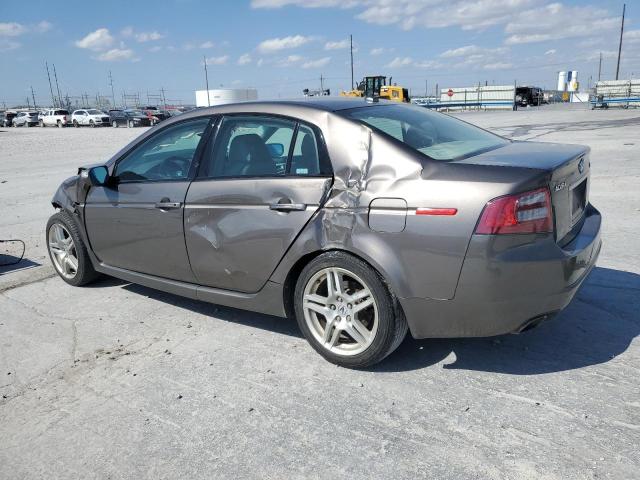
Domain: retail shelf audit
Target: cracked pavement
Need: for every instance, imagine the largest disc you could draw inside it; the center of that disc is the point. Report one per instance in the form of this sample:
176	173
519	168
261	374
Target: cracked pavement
120	381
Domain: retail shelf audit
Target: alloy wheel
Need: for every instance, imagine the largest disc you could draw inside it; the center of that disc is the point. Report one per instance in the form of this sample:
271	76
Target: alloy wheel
340	311
63	250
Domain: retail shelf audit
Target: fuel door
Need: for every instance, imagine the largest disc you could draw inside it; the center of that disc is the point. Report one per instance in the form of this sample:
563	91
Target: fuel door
388	215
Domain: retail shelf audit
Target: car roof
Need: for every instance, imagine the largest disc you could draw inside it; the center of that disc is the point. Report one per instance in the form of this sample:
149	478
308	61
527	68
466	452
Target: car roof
327	104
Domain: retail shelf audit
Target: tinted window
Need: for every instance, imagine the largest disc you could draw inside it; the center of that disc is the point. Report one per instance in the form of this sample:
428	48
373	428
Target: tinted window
251	146
165	156
61	112
305	160
436	135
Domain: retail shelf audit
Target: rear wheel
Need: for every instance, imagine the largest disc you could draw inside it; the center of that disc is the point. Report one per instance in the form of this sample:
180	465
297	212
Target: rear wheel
92	124
130	124
59	123
346	312
75	123
114	124
67	251
42	123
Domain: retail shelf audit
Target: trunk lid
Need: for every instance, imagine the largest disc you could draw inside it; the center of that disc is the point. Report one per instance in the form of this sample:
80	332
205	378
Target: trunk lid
568	167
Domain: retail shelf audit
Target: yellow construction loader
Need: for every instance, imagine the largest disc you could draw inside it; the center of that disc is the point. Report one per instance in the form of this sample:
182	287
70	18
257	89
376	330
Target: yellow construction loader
376	86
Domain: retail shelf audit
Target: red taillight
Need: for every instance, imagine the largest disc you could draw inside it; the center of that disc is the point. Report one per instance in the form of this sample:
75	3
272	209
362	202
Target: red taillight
528	212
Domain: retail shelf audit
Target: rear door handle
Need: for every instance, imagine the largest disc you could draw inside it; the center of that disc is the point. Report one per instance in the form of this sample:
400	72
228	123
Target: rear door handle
288	207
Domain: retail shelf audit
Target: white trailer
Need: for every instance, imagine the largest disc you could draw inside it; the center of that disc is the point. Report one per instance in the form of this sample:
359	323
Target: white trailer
222	96
492	97
616	93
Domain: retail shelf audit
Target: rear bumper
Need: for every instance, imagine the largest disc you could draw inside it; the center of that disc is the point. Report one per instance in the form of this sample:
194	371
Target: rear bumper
507	282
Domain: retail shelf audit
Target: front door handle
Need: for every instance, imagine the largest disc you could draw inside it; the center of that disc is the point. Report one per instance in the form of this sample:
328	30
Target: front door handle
166	204
288	207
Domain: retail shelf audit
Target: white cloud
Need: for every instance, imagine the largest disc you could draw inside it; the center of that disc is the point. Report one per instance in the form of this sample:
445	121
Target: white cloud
337	45
321	62
557	22
260	62
42	27
12	29
101	39
156	48
6	45
207	44
217	60
400	62
380	51
143	37
551	52
497	66
290	60
300	3
244	59
277	44
117	54
471	50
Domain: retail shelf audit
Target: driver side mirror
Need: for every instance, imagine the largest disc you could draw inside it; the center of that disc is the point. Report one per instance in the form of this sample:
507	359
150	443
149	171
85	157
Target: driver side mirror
98	176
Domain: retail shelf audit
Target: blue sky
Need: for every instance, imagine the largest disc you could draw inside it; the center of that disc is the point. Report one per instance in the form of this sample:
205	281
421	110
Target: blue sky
283	46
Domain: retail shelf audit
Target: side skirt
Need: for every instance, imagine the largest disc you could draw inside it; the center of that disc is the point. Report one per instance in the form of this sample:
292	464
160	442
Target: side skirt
269	300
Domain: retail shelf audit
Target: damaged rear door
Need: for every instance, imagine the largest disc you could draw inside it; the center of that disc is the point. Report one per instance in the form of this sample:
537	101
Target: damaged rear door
260	182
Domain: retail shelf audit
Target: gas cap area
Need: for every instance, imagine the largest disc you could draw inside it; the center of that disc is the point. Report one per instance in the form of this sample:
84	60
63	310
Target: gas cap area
388	215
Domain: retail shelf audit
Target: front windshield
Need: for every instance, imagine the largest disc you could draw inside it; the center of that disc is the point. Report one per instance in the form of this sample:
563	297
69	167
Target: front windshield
135	112
433	134
93	111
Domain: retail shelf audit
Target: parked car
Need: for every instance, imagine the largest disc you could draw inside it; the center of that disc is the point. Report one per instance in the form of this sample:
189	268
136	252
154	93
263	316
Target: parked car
155	115
89	117
129	118
28	119
54	118
6	119
361	220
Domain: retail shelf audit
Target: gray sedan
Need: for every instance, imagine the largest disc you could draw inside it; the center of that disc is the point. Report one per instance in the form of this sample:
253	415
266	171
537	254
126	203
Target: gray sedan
361	220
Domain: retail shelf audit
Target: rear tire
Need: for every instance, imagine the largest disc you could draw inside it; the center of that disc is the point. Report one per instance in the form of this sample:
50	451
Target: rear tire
346	311
59	124
67	251
75	123
114	124
130	124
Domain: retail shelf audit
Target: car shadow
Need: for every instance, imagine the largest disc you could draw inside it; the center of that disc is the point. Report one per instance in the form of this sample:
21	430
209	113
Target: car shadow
599	324
271	323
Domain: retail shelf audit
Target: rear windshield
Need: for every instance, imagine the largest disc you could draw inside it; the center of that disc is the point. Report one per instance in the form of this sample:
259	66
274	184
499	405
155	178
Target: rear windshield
61	112
94	112
433	134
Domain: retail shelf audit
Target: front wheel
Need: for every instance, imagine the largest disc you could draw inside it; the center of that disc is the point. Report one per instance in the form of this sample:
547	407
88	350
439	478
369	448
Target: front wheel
114	124
92	124
130	124
67	251
346	311
75	123
41	124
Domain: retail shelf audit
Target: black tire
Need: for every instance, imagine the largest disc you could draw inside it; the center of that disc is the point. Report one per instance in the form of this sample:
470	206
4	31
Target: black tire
75	123
92	124
42	125
85	273
59	124
130	124
114	124
392	325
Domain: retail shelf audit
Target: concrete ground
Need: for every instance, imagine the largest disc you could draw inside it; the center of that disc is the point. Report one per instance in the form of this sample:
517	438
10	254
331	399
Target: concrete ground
120	381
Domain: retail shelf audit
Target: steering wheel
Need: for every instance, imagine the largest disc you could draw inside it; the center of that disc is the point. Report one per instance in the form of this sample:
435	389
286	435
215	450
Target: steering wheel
169	167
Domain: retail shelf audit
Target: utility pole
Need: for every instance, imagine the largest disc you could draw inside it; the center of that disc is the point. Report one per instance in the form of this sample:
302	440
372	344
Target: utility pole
624	7
206	78
321	85
55	75
53	98
113	95
426	88
164	100
351	48
600	67
33	96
